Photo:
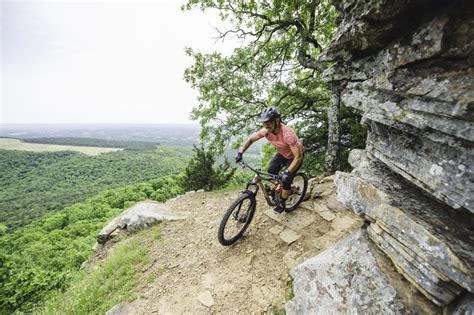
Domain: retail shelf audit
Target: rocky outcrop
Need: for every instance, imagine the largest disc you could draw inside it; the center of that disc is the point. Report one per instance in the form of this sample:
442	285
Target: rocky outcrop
345	279
138	217
416	98
406	68
425	239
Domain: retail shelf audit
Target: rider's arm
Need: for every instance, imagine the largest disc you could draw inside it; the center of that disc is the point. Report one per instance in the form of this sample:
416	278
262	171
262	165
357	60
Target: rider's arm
298	153
248	143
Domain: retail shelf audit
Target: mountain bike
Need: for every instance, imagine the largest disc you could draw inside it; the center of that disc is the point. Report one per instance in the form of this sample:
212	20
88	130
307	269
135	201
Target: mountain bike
238	216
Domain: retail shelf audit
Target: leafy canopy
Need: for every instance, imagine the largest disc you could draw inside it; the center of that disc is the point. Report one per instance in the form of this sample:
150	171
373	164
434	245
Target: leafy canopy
201	173
275	66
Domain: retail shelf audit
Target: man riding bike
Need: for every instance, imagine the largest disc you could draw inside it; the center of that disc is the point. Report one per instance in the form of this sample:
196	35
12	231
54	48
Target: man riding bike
289	150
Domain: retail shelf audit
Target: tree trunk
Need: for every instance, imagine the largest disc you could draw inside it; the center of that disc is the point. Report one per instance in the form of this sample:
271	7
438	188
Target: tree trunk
334	132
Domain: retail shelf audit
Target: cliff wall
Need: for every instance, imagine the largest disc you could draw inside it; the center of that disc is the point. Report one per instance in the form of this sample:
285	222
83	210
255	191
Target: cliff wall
406	66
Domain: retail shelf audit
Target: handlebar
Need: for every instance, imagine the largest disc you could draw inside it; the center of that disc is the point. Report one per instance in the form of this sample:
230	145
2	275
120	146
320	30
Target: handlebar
259	172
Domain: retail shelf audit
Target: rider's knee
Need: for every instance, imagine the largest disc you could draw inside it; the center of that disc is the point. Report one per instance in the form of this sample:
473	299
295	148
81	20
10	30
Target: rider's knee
287	183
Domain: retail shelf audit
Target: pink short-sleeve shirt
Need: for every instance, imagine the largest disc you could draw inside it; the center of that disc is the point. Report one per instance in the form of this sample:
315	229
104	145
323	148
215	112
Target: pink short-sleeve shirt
283	141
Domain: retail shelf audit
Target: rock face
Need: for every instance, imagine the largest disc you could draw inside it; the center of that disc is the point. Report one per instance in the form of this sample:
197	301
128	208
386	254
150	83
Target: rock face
425	239
140	216
345	278
407	68
414	91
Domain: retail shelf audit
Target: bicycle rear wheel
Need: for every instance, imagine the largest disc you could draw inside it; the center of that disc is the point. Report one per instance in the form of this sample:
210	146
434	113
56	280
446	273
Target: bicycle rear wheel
236	219
297	192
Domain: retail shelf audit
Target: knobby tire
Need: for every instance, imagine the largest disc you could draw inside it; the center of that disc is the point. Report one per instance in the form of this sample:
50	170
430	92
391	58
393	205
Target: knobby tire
238	216
304	178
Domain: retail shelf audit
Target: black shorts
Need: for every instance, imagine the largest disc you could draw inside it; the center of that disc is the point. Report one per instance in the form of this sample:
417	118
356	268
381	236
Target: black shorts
277	163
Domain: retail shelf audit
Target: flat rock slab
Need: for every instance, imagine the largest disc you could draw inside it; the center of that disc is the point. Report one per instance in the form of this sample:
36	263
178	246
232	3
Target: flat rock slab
277	229
328	179
327	215
289	236
296	220
291	258
206	298
345	223
323	189
344	279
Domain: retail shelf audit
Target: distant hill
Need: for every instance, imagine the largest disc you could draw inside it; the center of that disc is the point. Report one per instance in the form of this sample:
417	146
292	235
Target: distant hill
94	142
166	134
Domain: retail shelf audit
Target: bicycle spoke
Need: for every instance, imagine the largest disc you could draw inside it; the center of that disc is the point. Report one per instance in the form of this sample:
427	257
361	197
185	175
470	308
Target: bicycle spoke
236	219
297	192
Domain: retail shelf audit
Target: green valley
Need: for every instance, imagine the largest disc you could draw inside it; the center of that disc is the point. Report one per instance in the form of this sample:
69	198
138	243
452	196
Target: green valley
35	183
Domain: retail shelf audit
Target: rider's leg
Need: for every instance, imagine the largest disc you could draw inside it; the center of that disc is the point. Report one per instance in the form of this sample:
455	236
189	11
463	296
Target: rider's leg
285	193
276	164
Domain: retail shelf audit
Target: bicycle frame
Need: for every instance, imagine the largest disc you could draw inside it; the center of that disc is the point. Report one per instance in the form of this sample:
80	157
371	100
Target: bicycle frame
239	221
257	183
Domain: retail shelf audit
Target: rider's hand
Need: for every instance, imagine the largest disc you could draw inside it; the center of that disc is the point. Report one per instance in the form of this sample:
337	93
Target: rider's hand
238	157
286	175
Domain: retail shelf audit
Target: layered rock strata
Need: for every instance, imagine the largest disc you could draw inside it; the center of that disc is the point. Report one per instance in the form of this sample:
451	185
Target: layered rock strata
416	96
407	68
425	239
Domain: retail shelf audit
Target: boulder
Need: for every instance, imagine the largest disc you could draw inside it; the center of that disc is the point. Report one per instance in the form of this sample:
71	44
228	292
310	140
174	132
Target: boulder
349	278
140	216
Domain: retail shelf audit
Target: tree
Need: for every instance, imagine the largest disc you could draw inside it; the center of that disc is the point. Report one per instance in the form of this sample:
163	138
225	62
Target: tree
277	65
201	174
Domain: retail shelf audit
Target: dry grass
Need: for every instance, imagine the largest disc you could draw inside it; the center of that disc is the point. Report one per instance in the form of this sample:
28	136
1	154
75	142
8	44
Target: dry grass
14	144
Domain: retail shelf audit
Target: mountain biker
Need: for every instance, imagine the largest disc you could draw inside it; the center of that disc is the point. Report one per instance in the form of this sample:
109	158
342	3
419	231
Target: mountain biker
289	150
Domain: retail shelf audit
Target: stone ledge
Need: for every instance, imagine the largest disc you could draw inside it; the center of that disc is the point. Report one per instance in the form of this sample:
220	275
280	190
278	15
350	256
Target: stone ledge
437	233
440	169
426	279
391	109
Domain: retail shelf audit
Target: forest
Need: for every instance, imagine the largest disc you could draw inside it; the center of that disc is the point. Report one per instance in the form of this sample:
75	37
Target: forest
37	259
33	184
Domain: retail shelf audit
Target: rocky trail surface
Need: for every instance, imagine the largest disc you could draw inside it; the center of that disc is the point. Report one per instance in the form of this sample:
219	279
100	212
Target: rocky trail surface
193	273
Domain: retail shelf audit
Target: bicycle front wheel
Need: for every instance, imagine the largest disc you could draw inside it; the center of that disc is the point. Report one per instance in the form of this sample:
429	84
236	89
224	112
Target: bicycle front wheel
237	219
297	192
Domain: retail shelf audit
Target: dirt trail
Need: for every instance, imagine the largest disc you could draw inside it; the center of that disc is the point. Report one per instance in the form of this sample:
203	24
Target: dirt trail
193	270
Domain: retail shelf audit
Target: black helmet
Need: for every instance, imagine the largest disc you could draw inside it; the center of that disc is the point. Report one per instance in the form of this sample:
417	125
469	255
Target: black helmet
269	114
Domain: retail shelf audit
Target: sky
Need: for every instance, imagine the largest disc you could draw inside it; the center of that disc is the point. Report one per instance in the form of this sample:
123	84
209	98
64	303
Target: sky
100	61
